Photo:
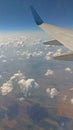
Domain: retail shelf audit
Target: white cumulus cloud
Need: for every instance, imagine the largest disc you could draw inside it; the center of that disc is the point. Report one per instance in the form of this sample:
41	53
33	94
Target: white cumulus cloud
4	61
68	70
38	53
71	101
17	76
64	97
58	52
0	76
6	88
49	72
48	55
25	86
52	92
28	54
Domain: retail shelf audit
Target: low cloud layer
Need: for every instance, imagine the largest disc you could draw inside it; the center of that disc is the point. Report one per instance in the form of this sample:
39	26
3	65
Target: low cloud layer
23	38
27	54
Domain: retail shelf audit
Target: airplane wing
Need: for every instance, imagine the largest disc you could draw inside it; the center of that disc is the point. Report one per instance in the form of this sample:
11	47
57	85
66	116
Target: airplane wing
61	36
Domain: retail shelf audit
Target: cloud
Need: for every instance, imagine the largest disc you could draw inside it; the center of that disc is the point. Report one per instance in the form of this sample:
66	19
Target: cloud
4	61
71	89
25	54
68	70
49	72
20	39
6	88
71	101
64	97
17	76
25	86
52	92
48	55
58	52
21	99
2	56
38	53
28	54
0	76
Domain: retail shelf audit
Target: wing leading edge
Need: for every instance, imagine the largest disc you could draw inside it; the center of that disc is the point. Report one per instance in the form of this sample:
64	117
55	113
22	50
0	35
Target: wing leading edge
62	36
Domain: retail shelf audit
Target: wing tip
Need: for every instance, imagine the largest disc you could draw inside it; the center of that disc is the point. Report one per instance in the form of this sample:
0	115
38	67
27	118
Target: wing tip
36	16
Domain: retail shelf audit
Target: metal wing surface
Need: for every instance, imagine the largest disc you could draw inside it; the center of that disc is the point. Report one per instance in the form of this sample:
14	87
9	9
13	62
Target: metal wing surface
61	36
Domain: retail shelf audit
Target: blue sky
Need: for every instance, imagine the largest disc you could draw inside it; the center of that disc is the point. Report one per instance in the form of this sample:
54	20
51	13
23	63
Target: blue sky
15	15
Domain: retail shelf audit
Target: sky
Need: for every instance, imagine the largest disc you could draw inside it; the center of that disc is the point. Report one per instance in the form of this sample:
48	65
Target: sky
15	15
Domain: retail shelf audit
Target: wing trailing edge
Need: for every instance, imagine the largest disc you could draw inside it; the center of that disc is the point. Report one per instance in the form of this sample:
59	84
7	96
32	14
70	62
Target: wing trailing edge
65	57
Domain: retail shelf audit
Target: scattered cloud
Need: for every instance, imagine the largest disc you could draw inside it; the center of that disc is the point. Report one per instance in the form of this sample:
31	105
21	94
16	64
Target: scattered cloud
71	89
58	52
64	97
38	53
25	54
68	70
71	101
25	86
21	99
18	39
28	54
49	72
0	76
2	56
52	92
48	55
6	88
17	76
4	61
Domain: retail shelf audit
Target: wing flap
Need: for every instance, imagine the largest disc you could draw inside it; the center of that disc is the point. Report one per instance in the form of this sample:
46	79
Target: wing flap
53	42
65	57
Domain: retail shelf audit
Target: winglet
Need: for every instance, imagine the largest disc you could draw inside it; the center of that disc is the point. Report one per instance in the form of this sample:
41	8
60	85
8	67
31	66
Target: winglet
36	16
